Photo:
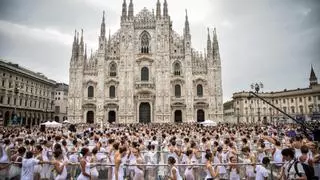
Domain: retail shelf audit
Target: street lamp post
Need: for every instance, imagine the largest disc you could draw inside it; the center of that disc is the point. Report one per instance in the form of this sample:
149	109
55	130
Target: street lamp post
14	119
257	87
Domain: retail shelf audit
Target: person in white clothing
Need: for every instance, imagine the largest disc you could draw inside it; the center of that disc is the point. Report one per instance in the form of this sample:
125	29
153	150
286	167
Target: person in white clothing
174	172
289	170
150	158
28	164
261	170
212	172
234	169
138	170
84	165
93	169
120	159
59	170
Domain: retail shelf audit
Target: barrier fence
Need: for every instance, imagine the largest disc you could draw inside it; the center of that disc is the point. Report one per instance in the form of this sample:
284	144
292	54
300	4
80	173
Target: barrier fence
156	167
153	171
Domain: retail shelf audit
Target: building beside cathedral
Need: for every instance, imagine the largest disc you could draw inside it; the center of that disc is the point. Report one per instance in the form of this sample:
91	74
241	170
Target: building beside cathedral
300	103
145	72
26	97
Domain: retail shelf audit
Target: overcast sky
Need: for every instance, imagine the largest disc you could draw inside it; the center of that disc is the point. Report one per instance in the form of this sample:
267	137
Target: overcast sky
272	41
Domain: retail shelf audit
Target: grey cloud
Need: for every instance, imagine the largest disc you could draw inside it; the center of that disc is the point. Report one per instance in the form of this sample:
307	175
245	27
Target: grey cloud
267	40
65	15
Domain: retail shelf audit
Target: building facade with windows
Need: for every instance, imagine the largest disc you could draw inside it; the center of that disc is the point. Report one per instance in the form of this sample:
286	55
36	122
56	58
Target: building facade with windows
228	111
145	72
61	102
26	97
301	103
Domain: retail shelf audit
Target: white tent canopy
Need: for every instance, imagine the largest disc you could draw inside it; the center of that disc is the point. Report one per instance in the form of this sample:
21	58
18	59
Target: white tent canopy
209	123
52	124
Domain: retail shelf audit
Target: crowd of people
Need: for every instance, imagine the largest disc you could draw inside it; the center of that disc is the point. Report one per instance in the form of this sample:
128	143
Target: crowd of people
158	151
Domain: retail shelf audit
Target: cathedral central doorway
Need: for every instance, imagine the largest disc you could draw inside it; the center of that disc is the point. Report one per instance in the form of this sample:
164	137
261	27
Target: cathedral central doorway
200	115
144	113
178	116
111	117
90	117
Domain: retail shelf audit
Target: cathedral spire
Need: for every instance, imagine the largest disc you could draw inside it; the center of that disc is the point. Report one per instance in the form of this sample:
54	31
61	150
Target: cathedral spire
165	9
109	39
85	52
130	13
215	46
158	10
215	40
313	78
75	36
81	41
81	47
103	27
77	46
74	45
124	10
186	25
209	45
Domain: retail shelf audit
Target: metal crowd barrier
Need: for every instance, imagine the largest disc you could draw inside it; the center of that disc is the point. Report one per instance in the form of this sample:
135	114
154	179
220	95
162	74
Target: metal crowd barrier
150	171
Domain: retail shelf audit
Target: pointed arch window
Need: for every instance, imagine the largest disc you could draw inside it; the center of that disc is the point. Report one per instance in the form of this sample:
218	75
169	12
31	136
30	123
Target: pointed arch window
177	91
145	42
112	92
199	90
177	69
113	69
90	92
144	74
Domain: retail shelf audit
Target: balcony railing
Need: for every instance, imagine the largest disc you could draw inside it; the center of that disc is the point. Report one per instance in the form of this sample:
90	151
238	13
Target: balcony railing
175	99
145	85
90	100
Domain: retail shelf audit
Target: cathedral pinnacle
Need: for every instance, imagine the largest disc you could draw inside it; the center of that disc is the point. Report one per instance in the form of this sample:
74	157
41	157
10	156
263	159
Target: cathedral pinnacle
85	52
158	10
81	47
81	41
74	45
209	45
165	9
75	36
124	10
215	40
186	25
130	13
103	26
215	46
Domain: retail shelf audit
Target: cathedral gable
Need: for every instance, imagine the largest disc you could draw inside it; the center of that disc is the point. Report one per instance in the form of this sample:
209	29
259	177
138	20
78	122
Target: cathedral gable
145	20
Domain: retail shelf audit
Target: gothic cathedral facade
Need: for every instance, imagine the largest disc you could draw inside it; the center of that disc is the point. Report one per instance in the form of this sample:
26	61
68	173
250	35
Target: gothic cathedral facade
145	73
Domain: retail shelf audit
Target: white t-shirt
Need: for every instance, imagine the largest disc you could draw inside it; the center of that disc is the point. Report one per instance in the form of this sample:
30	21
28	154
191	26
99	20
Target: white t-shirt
261	172
27	170
290	170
